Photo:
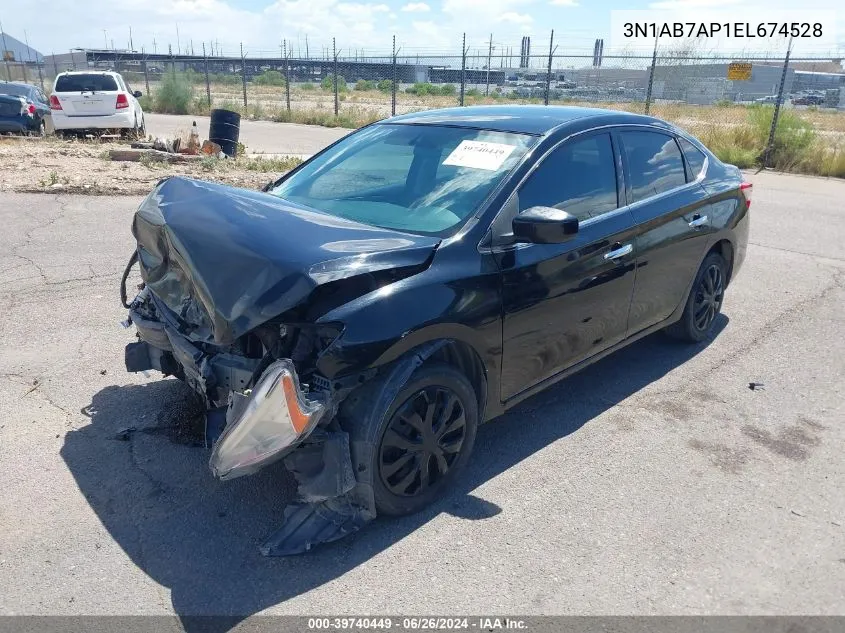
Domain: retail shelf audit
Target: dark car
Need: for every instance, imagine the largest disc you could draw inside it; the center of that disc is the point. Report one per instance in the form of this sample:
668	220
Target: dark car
23	108
810	100
421	276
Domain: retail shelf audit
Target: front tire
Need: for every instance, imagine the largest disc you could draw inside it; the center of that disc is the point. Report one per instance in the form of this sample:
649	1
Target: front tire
412	445
704	302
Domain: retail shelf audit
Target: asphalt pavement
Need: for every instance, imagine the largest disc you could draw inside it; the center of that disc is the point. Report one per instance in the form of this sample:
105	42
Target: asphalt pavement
654	482
260	137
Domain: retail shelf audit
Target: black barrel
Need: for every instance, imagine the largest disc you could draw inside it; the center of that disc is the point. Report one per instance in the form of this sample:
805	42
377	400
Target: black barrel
224	130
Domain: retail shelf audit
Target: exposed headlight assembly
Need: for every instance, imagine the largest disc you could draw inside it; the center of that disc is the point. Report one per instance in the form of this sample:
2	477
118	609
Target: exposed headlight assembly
275	417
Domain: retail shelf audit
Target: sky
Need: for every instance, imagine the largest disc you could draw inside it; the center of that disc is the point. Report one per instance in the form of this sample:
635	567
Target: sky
360	26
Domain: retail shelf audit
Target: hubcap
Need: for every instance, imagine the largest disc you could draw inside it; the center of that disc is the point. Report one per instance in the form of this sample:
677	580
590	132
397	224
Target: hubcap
708	298
422	441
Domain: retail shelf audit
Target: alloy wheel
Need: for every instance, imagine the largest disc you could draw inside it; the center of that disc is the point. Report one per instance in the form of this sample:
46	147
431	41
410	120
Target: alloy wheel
422	441
708	298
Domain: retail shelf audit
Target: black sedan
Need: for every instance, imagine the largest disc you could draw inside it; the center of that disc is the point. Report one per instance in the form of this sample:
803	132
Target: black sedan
362	316
23	109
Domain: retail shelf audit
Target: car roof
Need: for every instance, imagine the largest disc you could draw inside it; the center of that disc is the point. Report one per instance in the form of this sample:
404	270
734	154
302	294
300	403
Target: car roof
20	84
524	119
88	72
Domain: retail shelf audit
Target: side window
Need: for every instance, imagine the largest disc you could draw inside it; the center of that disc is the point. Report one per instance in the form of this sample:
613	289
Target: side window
654	163
579	177
695	158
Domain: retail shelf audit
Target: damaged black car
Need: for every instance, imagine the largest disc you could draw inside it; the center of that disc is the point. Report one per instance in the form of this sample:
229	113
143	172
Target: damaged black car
367	311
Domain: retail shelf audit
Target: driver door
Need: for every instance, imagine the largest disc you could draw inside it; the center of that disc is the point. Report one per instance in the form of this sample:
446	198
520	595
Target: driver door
566	302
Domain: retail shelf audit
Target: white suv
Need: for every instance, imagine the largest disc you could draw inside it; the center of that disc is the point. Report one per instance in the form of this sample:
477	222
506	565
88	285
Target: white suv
95	100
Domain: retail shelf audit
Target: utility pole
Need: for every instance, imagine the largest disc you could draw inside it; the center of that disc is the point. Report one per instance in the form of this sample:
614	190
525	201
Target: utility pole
306	47
105	40
131	44
154	46
178	45
489	61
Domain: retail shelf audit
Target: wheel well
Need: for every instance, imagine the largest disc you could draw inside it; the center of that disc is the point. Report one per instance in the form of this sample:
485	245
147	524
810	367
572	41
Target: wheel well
726	250
465	359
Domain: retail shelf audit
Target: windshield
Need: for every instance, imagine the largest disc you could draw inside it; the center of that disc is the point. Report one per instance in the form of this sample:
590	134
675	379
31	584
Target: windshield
13	90
85	83
418	178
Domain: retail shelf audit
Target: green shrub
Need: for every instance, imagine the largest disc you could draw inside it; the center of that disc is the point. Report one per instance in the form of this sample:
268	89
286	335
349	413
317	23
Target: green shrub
223	78
270	78
422	89
175	94
328	83
363	84
385	85
794	136
147	103
473	92
307	86
448	89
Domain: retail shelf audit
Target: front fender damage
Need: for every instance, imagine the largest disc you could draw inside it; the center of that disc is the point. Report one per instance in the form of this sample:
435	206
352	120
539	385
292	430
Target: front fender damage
334	497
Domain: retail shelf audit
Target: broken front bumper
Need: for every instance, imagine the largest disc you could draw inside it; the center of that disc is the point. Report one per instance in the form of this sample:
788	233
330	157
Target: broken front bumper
263	423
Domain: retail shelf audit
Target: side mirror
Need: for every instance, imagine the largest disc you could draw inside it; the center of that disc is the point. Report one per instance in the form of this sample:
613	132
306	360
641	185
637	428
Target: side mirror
137	94
544	225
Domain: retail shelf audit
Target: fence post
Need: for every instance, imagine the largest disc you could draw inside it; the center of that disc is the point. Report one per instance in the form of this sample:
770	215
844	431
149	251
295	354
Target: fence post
651	77
463	67
40	76
393	82
6	61
287	74
55	65
23	70
243	74
776	114
334	56
146	73
549	69
207	82
489	61
72	60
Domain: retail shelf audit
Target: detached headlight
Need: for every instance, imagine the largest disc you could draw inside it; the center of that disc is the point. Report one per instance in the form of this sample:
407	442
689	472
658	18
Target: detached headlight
275	416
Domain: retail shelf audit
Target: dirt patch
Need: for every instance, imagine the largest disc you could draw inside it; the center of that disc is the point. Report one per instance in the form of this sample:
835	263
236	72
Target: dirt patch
53	165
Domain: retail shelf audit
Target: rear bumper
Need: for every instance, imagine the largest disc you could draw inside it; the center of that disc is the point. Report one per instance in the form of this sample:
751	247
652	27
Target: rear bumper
122	120
18	125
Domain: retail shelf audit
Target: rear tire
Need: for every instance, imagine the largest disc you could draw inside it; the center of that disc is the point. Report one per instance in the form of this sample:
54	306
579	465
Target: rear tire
704	302
411	445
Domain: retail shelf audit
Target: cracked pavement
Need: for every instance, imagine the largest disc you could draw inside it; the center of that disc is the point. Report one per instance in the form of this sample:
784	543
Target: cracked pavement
654	482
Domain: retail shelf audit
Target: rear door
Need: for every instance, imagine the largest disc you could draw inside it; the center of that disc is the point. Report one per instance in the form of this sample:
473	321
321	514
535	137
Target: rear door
566	302
669	207
87	94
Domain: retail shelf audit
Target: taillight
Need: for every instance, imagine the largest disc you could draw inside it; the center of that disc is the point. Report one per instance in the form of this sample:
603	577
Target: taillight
746	188
54	103
122	101
31	109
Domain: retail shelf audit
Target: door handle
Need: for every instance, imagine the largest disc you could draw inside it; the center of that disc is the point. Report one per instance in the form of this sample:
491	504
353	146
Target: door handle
620	251
697	221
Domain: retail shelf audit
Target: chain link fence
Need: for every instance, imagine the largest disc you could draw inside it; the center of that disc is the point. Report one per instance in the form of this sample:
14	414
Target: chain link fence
736	104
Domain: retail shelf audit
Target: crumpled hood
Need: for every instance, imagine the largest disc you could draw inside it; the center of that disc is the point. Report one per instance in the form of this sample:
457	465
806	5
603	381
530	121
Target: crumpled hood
226	260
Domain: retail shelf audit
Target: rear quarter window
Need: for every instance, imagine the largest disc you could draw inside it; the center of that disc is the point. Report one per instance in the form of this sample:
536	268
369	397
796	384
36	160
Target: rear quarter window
85	83
695	158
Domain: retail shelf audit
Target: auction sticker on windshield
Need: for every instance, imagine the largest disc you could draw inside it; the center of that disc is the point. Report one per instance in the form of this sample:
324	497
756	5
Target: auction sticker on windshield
479	155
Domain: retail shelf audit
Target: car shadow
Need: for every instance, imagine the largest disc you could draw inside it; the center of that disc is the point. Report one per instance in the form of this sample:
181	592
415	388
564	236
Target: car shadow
199	537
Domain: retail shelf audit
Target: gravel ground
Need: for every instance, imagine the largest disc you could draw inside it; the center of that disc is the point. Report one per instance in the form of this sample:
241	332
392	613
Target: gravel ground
654	482
53	165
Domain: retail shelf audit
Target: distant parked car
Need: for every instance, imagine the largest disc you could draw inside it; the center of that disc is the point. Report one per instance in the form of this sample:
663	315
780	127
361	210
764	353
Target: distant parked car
23	109
96	101
811	100
767	99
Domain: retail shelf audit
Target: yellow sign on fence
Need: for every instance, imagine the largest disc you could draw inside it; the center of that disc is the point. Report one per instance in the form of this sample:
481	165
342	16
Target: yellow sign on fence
739	71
